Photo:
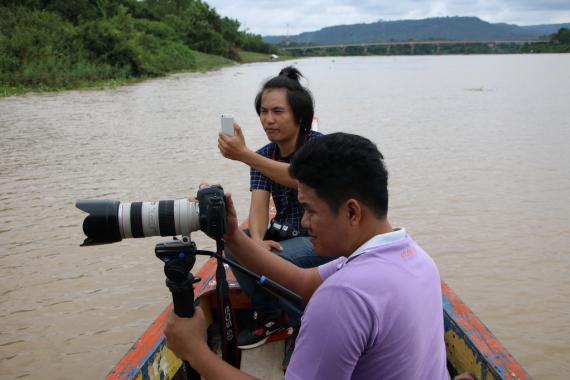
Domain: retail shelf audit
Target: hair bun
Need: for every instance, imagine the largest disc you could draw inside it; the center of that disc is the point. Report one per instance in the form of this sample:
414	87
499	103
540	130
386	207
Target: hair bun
291	73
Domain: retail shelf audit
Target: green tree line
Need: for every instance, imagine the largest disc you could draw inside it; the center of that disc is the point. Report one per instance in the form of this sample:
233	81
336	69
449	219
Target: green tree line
60	43
556	43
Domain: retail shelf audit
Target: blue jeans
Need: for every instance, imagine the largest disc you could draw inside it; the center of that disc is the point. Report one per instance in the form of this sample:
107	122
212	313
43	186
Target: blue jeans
298	251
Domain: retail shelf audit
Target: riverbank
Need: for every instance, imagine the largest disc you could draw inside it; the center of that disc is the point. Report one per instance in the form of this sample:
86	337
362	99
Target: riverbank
203	62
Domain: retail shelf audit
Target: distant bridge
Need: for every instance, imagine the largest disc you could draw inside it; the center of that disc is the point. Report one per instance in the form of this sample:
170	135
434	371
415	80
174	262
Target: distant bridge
493	44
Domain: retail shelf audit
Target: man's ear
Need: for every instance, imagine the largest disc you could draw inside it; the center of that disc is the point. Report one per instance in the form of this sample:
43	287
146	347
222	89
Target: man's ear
354	210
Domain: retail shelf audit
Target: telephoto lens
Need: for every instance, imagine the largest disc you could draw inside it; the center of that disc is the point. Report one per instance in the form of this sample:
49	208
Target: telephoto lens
111	221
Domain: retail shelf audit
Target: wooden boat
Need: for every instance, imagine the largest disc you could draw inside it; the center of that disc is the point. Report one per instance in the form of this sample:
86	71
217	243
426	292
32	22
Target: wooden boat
471	347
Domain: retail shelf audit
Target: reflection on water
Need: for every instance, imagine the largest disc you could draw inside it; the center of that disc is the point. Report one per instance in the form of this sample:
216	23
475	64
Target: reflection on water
476	146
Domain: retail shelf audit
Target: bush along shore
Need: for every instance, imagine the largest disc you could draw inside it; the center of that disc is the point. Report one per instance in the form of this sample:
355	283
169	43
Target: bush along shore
50	45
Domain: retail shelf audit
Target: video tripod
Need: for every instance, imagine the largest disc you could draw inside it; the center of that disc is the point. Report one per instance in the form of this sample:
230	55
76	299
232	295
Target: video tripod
179	257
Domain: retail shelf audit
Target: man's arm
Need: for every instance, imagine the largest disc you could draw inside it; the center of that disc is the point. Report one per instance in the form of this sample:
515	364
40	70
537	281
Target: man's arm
234	148
258	219
277	171
261	261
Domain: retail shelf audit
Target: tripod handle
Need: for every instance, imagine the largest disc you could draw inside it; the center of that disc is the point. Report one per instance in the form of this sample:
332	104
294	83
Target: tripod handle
183	296
183	306
183	301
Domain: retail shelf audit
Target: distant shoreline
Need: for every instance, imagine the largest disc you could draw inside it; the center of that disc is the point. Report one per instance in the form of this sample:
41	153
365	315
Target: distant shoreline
412	48
204	62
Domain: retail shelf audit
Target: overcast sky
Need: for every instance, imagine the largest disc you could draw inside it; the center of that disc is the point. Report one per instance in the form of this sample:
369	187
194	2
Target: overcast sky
272	17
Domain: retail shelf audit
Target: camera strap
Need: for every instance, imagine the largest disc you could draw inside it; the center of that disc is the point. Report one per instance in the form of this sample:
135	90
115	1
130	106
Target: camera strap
226	317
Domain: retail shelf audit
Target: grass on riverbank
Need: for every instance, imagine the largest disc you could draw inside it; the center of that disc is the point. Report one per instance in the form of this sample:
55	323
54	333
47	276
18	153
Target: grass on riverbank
249	57
204	62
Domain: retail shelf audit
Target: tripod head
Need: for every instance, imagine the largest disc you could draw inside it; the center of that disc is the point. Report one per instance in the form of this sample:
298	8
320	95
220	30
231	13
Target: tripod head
179	256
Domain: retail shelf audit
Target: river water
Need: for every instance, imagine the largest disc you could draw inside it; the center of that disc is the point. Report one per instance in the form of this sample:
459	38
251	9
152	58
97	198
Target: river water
477	148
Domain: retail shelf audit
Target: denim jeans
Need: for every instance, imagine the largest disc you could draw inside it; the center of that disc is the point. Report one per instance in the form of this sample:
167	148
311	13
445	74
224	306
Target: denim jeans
298	251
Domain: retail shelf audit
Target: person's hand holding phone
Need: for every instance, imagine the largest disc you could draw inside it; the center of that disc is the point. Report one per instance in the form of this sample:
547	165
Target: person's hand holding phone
231	142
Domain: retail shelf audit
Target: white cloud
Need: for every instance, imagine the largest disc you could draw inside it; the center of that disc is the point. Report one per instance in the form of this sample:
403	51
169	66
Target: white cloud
269	17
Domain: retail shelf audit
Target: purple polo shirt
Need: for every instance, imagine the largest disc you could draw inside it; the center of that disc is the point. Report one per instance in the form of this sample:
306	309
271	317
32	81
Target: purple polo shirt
377	315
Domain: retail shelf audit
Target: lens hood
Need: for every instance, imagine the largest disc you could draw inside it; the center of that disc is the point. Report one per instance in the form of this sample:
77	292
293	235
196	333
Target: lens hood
101	226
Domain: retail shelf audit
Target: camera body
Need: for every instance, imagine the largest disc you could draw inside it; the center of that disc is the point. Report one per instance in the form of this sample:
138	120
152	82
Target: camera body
212	211
280	231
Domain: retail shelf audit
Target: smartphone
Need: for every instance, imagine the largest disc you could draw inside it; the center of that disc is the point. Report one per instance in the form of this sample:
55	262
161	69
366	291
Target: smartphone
228	125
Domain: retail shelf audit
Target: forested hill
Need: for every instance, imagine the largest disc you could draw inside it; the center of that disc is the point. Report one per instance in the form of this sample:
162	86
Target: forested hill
64	43
441	28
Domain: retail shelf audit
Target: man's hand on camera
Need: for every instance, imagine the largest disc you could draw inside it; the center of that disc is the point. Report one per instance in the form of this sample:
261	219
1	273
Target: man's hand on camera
186	337
231	218
269	244
233	147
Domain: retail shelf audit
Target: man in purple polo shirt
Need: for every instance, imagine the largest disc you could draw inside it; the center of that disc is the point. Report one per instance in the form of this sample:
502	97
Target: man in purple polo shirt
376	311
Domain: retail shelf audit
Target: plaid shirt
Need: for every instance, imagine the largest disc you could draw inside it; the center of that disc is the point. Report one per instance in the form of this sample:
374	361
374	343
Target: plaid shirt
289	210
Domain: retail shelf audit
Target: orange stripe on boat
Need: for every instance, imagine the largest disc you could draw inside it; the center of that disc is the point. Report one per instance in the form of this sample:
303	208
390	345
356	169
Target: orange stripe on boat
482	339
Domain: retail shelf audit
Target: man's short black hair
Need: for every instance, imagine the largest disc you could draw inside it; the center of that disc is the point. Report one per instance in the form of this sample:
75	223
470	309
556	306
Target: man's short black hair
340	166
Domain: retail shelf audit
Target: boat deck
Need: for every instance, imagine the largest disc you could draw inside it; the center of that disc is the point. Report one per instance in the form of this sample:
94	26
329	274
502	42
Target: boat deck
264	362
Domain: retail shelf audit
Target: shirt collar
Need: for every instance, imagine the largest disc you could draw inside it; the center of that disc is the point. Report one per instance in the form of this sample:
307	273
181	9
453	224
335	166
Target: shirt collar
378	240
